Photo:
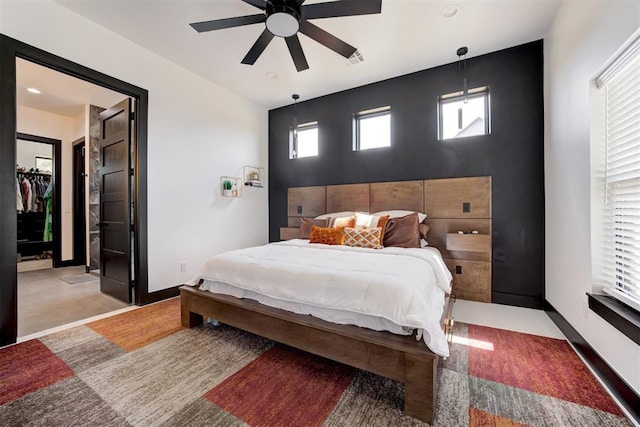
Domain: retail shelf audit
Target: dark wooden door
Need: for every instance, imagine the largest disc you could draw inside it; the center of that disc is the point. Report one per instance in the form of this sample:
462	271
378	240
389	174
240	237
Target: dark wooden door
79	224
115	201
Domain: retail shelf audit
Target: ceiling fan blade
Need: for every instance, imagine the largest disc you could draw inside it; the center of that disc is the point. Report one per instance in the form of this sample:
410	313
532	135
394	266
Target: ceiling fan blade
326	39
297	54
341	8
260	4
219	24
258	47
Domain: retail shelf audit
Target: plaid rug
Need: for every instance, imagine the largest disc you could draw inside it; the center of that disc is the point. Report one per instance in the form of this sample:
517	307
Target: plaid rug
142	368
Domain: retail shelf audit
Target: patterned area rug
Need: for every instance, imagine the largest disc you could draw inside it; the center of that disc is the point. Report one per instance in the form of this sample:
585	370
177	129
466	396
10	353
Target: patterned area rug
142	368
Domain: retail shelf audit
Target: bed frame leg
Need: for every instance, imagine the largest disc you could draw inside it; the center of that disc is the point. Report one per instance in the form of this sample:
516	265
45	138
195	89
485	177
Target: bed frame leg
420	387
188	318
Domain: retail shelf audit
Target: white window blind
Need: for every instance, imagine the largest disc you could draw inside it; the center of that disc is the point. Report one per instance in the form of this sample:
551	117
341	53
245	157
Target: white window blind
621	83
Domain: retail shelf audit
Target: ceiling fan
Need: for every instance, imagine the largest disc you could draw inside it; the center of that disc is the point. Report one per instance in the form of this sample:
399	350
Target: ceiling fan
284	18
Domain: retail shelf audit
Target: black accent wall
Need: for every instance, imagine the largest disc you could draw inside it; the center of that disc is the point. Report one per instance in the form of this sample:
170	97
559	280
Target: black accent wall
512	154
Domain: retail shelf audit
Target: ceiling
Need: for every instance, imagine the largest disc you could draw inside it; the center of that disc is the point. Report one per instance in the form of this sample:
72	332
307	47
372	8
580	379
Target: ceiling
408	36
59	93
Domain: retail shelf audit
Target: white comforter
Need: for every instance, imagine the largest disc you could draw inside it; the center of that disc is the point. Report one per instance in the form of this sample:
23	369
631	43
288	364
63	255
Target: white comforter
393	289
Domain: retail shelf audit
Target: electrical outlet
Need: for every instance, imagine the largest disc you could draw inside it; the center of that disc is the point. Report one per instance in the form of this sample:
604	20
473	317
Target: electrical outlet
183	267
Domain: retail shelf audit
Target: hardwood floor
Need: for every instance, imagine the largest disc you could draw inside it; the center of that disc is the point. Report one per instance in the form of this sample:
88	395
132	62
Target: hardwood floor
45	301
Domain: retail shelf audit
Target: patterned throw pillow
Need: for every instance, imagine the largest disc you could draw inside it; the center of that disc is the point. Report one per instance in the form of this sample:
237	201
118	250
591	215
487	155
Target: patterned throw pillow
363	237
327	235
369	221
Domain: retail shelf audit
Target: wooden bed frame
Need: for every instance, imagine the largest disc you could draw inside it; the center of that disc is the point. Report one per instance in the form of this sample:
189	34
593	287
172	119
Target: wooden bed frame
398	357
452	204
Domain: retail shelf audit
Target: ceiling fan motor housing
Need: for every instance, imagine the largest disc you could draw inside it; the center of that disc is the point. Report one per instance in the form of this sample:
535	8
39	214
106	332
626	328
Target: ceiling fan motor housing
283	17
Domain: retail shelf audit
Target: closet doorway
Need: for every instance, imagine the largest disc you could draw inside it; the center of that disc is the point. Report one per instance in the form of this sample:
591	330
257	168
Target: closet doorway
61	255
11	50
38	166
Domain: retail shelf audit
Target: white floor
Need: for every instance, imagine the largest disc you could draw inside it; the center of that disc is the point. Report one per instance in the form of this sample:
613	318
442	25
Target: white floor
526	320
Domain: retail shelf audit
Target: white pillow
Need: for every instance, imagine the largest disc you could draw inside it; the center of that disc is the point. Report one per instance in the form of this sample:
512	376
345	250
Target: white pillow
400	213
366	221
336	215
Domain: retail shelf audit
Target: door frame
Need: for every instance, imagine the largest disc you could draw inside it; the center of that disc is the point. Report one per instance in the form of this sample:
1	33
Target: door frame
57	182
10	49
79	209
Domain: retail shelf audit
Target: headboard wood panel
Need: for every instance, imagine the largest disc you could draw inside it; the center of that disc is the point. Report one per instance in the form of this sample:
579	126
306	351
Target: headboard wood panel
306	201
446	198
405	195
348	197
437	236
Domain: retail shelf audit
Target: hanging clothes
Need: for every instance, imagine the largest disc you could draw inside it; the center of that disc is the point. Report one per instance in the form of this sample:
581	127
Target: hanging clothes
48	218
19	203
26	190
33	205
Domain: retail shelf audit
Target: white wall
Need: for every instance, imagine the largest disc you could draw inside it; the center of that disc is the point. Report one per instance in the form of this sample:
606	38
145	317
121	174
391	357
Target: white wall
78	130
40	123
581	39
26	152
198	131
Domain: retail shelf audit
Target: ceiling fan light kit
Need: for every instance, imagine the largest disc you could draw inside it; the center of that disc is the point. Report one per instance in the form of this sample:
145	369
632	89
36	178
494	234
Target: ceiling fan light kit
285	18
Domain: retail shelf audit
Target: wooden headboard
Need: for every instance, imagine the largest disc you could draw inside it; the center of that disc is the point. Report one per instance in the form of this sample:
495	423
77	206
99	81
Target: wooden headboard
451	205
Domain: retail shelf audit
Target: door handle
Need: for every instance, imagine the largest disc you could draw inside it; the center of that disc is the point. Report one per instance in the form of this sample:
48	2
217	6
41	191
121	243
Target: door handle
102	224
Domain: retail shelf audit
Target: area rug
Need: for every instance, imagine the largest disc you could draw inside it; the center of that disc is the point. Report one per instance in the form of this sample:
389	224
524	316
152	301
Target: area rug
142	368
79	278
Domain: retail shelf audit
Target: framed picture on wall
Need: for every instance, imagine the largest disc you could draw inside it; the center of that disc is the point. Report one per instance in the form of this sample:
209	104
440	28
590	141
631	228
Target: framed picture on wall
44	164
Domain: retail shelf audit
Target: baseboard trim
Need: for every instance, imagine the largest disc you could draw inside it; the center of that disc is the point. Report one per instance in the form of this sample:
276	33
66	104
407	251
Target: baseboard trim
618	387
517	300
160	295
68	263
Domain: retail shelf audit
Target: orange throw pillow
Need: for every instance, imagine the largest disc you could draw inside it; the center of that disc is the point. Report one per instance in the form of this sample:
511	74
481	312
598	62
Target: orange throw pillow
327	235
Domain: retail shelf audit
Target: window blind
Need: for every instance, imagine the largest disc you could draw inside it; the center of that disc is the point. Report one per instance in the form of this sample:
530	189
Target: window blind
622	185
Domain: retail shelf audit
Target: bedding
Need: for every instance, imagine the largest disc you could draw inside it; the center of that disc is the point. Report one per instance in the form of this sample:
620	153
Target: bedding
347	221
363	237
327	235
307	223
403	232
398	213
336	215
394	289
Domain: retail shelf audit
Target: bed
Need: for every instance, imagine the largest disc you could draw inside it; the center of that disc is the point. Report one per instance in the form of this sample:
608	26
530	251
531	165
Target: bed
409	353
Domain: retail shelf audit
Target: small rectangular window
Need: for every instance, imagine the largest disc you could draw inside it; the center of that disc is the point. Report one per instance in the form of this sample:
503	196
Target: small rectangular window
372	129
460	116
303	142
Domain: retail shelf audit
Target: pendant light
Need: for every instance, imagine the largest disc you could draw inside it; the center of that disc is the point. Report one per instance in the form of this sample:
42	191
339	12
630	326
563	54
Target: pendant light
462	71
294	131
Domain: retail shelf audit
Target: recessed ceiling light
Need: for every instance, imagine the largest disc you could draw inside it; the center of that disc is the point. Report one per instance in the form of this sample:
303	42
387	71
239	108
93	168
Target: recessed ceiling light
272	75
450	11
33	90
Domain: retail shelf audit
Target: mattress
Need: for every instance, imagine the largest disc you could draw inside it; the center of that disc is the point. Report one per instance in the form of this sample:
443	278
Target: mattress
391	289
